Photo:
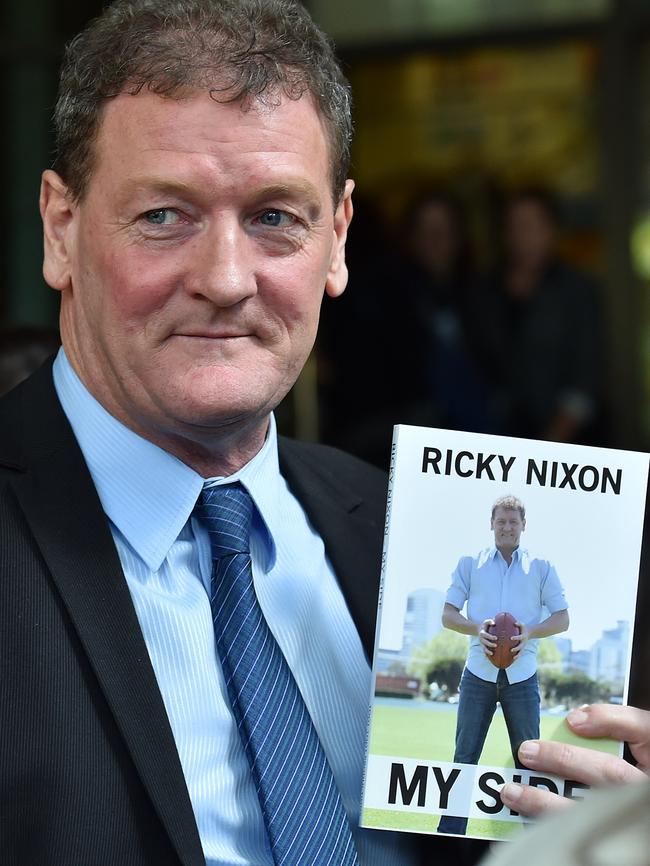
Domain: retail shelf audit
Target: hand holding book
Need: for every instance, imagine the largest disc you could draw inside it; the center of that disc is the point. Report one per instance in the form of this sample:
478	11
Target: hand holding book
584	765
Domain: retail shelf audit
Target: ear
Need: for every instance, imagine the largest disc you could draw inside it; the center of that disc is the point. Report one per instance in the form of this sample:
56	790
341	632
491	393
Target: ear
57	212
337	276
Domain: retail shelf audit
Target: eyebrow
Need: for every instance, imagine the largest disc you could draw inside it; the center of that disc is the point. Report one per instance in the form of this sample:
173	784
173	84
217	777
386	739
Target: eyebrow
157	184
302	190
298	190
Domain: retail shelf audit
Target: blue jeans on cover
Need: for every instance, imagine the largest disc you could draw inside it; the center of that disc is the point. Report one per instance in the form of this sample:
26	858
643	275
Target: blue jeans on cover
476	707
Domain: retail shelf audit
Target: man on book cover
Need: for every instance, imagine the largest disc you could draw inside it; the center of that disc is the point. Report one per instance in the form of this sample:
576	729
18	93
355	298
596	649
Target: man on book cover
502	578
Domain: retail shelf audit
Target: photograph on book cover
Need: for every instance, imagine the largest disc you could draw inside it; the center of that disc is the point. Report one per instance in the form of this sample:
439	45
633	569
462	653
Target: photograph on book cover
535	546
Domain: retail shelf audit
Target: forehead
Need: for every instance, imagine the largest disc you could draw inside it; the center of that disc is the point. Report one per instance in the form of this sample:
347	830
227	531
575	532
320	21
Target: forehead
506	514
139	131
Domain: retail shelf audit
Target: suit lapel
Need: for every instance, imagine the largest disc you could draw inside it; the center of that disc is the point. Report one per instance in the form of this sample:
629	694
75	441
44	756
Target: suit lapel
59	500
350	526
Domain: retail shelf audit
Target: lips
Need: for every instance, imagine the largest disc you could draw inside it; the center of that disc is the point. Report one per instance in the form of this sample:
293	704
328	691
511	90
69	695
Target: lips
212	335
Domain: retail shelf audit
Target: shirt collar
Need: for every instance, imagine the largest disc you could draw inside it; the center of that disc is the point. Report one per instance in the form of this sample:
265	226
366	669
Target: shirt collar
147	493
517	553
261	478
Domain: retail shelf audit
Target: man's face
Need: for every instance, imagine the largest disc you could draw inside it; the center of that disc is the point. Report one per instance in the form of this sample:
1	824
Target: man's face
507	526
435	239
193	269
529	234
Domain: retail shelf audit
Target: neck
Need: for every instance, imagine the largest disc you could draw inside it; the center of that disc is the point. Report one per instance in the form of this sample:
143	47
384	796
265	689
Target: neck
211	452
220	448
507	553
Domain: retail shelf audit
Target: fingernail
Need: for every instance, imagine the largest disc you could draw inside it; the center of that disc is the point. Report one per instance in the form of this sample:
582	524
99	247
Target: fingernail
512	790
529	750
577	717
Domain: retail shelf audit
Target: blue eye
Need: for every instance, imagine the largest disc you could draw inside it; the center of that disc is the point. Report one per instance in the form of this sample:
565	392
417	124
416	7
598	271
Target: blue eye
158	217
275	218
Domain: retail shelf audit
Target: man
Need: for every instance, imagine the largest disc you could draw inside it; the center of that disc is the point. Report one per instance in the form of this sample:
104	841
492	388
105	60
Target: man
539	329
501	578
198	209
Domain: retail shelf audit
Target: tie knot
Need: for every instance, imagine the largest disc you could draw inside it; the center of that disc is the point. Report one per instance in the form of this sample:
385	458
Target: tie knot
226	511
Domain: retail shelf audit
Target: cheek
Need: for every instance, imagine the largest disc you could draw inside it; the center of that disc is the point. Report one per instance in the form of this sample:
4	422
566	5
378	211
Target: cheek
137	287
295	295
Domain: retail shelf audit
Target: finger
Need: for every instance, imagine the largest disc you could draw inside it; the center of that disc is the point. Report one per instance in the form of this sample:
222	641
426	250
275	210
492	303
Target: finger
531	801
574	762
609	720
618	722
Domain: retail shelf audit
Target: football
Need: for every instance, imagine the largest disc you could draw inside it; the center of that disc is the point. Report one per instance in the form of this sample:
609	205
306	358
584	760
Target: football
505	626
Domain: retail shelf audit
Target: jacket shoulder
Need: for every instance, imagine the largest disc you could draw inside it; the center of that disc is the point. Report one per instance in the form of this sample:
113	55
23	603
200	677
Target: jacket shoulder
333	468
32	422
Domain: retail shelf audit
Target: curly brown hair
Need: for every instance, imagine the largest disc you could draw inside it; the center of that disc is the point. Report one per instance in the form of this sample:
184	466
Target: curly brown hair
242	51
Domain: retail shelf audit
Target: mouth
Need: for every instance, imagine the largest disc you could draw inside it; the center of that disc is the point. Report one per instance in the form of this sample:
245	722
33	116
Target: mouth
214	335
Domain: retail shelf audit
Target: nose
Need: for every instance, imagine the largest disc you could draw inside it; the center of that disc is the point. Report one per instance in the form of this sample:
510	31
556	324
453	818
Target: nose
221	267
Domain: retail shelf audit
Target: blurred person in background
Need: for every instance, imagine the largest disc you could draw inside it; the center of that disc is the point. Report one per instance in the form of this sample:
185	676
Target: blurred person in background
541	337
442	290
399	347
371	366
22	351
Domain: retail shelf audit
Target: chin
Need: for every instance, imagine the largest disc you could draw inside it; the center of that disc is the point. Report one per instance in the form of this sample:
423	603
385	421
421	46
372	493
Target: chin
214	412
214	397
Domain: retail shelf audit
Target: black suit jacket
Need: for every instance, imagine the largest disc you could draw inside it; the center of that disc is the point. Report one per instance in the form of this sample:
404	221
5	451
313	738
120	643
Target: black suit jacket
89	773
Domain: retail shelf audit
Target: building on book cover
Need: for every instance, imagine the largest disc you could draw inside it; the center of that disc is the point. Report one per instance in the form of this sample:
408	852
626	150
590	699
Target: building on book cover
509	581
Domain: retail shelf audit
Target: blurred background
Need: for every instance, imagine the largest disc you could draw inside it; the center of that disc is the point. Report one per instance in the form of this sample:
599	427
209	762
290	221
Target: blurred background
500	252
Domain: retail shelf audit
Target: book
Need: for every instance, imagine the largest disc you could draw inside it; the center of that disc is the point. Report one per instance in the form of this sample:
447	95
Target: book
479	525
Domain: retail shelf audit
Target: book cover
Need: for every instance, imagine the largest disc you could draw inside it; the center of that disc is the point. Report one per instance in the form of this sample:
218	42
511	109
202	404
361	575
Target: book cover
536	546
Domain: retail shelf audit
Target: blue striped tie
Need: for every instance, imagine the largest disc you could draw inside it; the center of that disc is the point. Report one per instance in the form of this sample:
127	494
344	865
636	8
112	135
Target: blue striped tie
303	813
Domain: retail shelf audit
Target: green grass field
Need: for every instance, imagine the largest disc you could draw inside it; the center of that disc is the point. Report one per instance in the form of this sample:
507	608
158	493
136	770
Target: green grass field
414	729
385	819
427	730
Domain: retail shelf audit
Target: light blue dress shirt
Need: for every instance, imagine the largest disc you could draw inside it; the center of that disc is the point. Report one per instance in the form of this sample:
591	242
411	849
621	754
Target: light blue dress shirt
148	496
527	588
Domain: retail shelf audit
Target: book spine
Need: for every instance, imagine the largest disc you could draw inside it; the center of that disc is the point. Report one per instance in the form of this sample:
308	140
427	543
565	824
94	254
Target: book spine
389	507
382	578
